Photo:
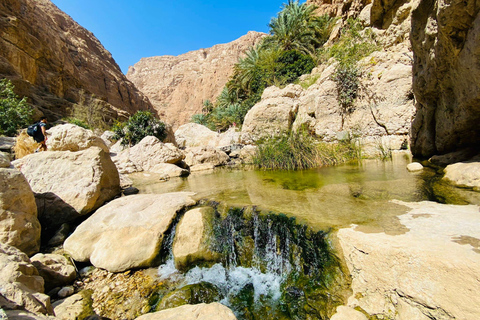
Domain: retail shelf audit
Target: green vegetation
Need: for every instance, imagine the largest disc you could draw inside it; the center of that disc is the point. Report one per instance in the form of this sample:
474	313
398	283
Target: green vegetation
351	47
138	126
295	151
281	58
89	112
15	113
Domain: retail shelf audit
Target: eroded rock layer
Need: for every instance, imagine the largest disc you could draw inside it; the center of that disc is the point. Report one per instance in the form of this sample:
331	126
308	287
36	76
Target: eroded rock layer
57	63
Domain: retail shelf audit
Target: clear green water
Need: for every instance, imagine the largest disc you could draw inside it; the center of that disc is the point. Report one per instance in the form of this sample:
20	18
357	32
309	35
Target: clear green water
330	197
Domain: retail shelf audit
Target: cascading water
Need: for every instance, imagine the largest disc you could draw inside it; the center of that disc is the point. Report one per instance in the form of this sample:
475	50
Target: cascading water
270	267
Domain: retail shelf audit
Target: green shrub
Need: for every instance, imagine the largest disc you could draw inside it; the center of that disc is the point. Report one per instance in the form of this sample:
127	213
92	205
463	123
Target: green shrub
295	151
15	113
138	126
293	64
78	122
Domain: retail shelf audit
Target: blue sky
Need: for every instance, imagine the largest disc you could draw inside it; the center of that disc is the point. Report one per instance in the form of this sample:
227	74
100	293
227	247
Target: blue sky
133	29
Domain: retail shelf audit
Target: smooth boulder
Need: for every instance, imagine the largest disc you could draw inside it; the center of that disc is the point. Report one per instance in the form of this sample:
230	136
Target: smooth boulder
21	287
19	225
203	155
195	135
127	232
70	184
464	174
191	243
429	272
145	155
202	311
70	137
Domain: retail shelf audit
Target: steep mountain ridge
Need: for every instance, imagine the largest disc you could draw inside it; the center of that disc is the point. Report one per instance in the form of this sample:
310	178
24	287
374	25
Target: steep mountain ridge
56	63
177	86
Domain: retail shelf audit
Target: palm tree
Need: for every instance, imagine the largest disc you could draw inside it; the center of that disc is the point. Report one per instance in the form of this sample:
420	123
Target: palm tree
297	28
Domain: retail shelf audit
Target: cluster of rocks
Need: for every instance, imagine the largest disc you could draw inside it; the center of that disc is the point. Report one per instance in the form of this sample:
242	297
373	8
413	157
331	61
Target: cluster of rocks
44	194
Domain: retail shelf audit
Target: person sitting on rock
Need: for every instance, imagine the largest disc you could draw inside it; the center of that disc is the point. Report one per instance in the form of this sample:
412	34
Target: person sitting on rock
41	135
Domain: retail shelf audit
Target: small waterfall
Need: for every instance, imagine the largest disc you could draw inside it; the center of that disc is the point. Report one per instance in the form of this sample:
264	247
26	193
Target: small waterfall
271	267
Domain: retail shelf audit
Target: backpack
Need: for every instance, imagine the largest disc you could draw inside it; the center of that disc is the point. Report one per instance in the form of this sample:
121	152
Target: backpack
32	129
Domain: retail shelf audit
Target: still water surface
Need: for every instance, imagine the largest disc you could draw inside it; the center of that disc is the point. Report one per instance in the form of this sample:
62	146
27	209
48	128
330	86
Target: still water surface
330	197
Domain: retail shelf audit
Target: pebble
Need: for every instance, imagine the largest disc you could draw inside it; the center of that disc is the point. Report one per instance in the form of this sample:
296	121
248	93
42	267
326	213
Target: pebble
66	292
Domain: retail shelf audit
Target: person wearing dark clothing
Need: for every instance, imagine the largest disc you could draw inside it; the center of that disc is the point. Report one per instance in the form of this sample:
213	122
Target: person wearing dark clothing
41	135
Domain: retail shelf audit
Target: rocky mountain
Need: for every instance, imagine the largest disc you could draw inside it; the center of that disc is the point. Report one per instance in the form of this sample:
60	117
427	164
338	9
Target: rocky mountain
177	86
56	63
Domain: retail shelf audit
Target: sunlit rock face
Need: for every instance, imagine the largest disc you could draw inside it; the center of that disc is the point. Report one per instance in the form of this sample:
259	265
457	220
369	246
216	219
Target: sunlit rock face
446	75
56	63
177	86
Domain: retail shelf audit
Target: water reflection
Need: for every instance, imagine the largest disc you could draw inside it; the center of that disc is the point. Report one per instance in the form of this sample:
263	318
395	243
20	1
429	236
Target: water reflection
330	197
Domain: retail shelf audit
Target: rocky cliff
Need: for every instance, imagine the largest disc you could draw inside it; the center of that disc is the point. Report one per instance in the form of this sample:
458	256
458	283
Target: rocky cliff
446	76
56	63
177	86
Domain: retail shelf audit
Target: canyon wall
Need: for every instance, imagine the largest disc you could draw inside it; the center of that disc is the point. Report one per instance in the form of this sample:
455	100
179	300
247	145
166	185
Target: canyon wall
177	86
56	63
445	38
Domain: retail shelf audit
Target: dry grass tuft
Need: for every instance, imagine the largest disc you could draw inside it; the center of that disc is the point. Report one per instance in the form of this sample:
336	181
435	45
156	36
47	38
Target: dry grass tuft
24	145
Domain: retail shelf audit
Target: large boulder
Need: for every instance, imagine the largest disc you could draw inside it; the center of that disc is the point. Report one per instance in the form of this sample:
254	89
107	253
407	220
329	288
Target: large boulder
212	311
446	76
70	137
429	272
274	114
464	174
205	155
69	184
19	226
21	287
195	135
77	306
192	238
55	269
147	154
127	232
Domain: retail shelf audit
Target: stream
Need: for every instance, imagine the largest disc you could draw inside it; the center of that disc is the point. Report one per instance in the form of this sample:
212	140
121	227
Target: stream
273	230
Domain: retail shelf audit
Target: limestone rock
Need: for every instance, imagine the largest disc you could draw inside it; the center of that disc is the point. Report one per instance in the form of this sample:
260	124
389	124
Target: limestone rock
19	225
145	155
195	135
245	154
6	144
62	65
55	269
178	86
414	166
446	77
274	114
4	160
202	167
464	174
346	313
429	272
72	307
170	170
191	244
127	232
212	311
66	292
107	138
20	285
23	315
70	137
203	155
69	184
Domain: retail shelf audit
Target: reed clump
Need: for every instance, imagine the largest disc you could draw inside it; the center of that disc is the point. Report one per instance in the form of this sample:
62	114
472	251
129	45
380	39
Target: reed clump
297	151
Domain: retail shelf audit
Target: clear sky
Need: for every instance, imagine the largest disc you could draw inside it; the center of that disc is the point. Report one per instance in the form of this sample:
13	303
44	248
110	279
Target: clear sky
133	29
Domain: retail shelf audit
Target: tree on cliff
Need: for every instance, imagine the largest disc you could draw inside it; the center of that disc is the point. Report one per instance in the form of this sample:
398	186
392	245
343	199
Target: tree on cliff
15	113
